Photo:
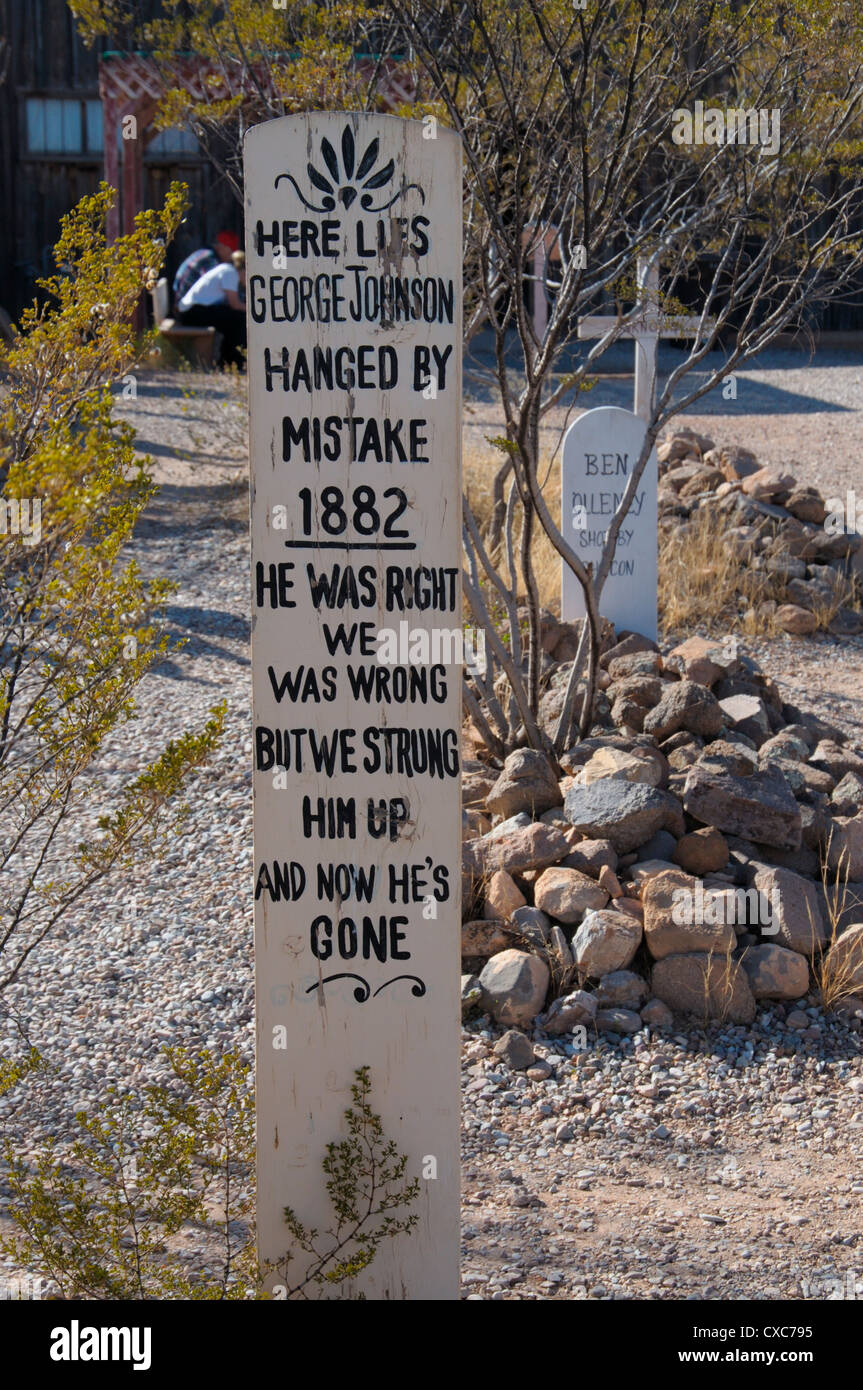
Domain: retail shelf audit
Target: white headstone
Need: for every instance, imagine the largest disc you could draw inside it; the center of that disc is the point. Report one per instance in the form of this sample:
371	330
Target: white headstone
353	244
600	449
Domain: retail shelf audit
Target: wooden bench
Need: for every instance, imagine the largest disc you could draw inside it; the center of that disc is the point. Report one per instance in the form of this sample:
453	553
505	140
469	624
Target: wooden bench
194	342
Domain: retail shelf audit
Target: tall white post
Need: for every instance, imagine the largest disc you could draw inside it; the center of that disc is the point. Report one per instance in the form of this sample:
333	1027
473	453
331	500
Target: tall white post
354	298
647	339
540	274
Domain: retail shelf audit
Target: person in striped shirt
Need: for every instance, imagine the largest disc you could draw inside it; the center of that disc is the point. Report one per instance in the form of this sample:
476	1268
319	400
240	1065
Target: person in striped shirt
201	261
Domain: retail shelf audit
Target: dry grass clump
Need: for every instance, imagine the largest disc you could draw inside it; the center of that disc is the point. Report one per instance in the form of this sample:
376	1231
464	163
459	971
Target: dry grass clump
843	595
703	581
480	467
719	978
838	973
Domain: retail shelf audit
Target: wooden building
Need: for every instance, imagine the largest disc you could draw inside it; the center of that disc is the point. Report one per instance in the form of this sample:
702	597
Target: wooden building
52	148
58	102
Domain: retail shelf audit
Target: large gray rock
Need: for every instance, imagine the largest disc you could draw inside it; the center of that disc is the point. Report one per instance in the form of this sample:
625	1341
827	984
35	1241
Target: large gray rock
514	985
626	813
678	919
566	894
759	807
514	1049
527	783
709	987
605	941
618	1021
845	853
574	1010
621	989
795	910
685	705
774	972
533	846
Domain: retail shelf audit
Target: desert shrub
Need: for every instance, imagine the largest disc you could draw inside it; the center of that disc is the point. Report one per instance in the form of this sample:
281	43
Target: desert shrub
79	626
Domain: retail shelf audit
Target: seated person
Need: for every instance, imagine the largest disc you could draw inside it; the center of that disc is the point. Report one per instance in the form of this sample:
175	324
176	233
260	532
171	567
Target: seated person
207	258
217	301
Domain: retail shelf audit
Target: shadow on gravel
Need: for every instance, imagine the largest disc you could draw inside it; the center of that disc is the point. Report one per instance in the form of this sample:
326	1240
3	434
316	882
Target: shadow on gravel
169	670
177	509
197	627
614	379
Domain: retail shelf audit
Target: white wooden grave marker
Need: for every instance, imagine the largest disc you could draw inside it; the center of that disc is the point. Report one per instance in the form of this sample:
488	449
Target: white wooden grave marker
353	244
646	329
600	449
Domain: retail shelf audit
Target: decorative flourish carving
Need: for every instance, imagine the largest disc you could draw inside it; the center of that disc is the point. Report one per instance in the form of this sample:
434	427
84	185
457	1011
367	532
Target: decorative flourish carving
363	990
361	993
418	989
346	180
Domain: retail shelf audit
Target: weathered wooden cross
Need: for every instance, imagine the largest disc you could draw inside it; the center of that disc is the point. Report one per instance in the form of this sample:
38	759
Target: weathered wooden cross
646	331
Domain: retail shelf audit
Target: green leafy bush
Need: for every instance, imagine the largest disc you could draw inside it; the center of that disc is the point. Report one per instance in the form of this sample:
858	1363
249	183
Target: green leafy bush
79	627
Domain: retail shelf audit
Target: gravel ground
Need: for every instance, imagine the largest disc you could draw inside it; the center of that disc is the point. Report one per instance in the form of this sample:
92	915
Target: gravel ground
707	1165
704	1165
789	409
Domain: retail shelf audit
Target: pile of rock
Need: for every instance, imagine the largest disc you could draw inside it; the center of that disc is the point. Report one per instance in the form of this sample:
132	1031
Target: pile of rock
802	545
684	862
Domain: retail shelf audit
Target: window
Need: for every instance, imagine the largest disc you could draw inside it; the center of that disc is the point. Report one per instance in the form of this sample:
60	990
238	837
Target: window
63	125
95	126
173	142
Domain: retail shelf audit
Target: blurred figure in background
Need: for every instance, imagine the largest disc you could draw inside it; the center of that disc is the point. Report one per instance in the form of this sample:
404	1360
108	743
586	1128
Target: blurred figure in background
218	300
205	259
